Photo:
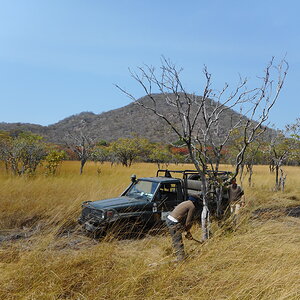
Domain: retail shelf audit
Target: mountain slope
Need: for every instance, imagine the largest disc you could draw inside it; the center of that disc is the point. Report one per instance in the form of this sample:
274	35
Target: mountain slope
121	122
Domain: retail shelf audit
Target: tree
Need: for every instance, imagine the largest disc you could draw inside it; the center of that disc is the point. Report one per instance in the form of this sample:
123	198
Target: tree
22	152
82	144
253	154
5	140
53	160
101	153
160	155
284	147
293	132
201	118
128	149
279	151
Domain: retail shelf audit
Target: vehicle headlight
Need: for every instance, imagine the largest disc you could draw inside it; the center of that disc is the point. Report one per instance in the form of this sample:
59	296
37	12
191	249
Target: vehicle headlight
97	214
101	214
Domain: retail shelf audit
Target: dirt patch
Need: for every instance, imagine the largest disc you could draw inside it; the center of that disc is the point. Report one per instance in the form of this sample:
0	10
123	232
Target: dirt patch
293	211
17	234
72	242
4	237
276	212
67	228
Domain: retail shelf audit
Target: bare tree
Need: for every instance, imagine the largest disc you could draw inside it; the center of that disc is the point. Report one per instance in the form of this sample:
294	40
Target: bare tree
253	154
199	121
82	144
279	151
249	166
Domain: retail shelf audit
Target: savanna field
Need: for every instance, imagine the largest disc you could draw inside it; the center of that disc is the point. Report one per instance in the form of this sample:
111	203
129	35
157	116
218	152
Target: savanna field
45	255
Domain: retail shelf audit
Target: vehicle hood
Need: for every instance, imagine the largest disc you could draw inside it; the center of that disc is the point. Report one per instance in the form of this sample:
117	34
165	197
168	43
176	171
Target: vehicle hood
119	203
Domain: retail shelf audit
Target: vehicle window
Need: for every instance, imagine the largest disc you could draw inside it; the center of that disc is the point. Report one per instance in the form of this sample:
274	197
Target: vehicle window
168	191
142	189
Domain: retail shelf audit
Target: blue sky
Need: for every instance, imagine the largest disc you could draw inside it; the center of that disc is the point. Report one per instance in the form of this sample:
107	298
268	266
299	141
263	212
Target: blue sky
59	58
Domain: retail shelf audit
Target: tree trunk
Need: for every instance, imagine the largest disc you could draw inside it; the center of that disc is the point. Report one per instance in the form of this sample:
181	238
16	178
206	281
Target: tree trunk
271	167
276	178
6	166
205	223
242	166
250	170
219	194
282	180
205	211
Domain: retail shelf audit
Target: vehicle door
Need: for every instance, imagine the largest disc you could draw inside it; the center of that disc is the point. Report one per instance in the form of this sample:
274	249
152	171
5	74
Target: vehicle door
167	197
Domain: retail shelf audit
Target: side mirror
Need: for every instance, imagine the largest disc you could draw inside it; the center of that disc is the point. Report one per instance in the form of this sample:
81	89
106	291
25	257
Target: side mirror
133	178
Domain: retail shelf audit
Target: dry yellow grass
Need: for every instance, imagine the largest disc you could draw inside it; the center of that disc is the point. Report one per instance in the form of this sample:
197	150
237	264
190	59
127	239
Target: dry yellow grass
258	260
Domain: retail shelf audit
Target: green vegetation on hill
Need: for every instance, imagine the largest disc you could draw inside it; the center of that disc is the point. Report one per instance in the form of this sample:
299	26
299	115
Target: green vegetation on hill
114	124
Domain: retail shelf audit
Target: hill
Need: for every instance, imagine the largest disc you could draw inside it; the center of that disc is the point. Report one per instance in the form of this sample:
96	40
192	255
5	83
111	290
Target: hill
121	122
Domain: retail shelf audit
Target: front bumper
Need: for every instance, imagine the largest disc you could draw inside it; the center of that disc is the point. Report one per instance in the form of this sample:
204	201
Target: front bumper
94	220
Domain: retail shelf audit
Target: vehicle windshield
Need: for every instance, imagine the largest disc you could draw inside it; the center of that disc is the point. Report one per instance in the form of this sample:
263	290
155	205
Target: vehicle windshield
142	190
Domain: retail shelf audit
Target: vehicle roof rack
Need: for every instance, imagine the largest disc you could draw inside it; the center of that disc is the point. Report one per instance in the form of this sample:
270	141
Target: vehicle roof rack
185	173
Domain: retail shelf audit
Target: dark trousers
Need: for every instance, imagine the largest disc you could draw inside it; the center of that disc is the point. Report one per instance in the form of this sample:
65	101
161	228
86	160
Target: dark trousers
176	230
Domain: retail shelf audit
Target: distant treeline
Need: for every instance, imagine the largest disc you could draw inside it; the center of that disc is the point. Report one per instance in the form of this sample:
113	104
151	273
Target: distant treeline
22	152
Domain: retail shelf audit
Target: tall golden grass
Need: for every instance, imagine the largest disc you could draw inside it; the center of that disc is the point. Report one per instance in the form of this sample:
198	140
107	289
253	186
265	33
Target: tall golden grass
44	255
